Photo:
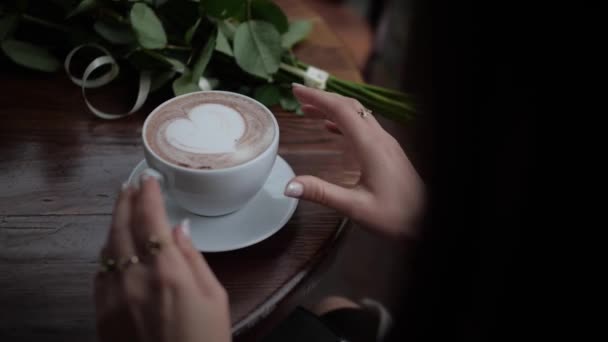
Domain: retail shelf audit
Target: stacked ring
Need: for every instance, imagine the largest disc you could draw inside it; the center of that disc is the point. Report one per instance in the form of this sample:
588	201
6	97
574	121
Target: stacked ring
111	265
126	262
153	247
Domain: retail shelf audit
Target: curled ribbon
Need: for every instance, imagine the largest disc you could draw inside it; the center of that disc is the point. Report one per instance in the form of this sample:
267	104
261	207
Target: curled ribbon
85	82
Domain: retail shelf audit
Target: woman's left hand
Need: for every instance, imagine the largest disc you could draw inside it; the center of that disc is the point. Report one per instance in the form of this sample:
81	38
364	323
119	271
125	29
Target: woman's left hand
156	286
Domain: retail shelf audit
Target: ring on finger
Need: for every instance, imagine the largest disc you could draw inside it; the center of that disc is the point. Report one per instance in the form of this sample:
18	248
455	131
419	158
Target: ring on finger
154	245
125	263
112	265
107	265
364	112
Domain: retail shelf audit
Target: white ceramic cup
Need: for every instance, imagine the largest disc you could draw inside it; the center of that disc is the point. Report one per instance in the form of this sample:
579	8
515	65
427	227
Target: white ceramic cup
218	191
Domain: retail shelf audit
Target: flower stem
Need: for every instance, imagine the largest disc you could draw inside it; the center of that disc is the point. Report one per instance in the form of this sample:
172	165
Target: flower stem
387	102
45	23
292	70
177	47
389	93
388	109
378	97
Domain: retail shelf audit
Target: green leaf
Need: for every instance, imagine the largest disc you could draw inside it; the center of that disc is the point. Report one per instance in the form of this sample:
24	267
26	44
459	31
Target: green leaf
257	48
288	102
8	23
84	6
267	94
267	11
222	44
191	31
227	28
113	32
298	30
222	9
30	56
184	85
203	58
147	27
160	78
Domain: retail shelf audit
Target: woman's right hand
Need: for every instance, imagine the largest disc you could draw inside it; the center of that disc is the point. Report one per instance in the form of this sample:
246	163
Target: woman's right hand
171	293
389	195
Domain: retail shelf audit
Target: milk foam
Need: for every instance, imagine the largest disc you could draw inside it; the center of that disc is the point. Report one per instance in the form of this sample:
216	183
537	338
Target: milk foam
208	129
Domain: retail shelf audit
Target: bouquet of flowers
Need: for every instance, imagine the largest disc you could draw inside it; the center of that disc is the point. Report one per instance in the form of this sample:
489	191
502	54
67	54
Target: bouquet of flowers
191	45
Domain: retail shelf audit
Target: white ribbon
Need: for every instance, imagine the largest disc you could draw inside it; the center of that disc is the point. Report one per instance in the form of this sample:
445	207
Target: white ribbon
316	78
313	77
93	83
85	82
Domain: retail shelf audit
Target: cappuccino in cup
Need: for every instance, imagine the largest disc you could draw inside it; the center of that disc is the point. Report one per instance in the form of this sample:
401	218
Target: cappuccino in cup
214	131
214	149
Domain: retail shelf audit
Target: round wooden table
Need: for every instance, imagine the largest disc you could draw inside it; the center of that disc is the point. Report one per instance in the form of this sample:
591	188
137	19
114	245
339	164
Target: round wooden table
60	169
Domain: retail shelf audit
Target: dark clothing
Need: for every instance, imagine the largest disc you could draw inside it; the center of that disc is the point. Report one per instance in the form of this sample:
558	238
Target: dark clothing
477	70
347	325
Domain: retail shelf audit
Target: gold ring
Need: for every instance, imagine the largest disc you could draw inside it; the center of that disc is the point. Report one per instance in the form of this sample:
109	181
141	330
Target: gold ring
154	244
364	112
107	265
126	262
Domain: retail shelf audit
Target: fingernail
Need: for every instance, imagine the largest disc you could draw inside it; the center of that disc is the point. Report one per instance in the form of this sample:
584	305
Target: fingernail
294	189
185	227
144	177
124	187
148	174
297	85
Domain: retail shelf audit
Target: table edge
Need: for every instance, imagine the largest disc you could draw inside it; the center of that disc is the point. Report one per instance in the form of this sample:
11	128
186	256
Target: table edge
270	304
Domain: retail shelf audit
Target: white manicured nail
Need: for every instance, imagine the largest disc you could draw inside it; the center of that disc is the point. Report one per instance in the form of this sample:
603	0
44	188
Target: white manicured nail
149	173
294	189
124	187
144	177
185	227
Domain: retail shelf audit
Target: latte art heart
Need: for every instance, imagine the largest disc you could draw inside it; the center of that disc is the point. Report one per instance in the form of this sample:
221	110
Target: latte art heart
209	130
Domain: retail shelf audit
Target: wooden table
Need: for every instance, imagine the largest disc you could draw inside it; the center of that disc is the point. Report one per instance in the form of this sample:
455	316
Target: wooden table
60	169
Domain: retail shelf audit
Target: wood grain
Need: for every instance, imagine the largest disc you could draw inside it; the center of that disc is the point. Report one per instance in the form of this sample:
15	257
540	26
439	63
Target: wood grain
60	169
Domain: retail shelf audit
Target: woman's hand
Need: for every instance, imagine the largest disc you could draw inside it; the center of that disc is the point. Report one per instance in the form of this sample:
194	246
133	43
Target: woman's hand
389	195
159	287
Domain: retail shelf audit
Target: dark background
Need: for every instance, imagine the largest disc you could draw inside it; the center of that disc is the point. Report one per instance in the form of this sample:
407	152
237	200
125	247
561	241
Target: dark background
478	69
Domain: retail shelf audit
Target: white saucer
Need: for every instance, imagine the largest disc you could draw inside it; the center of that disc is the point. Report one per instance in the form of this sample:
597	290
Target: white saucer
263	216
